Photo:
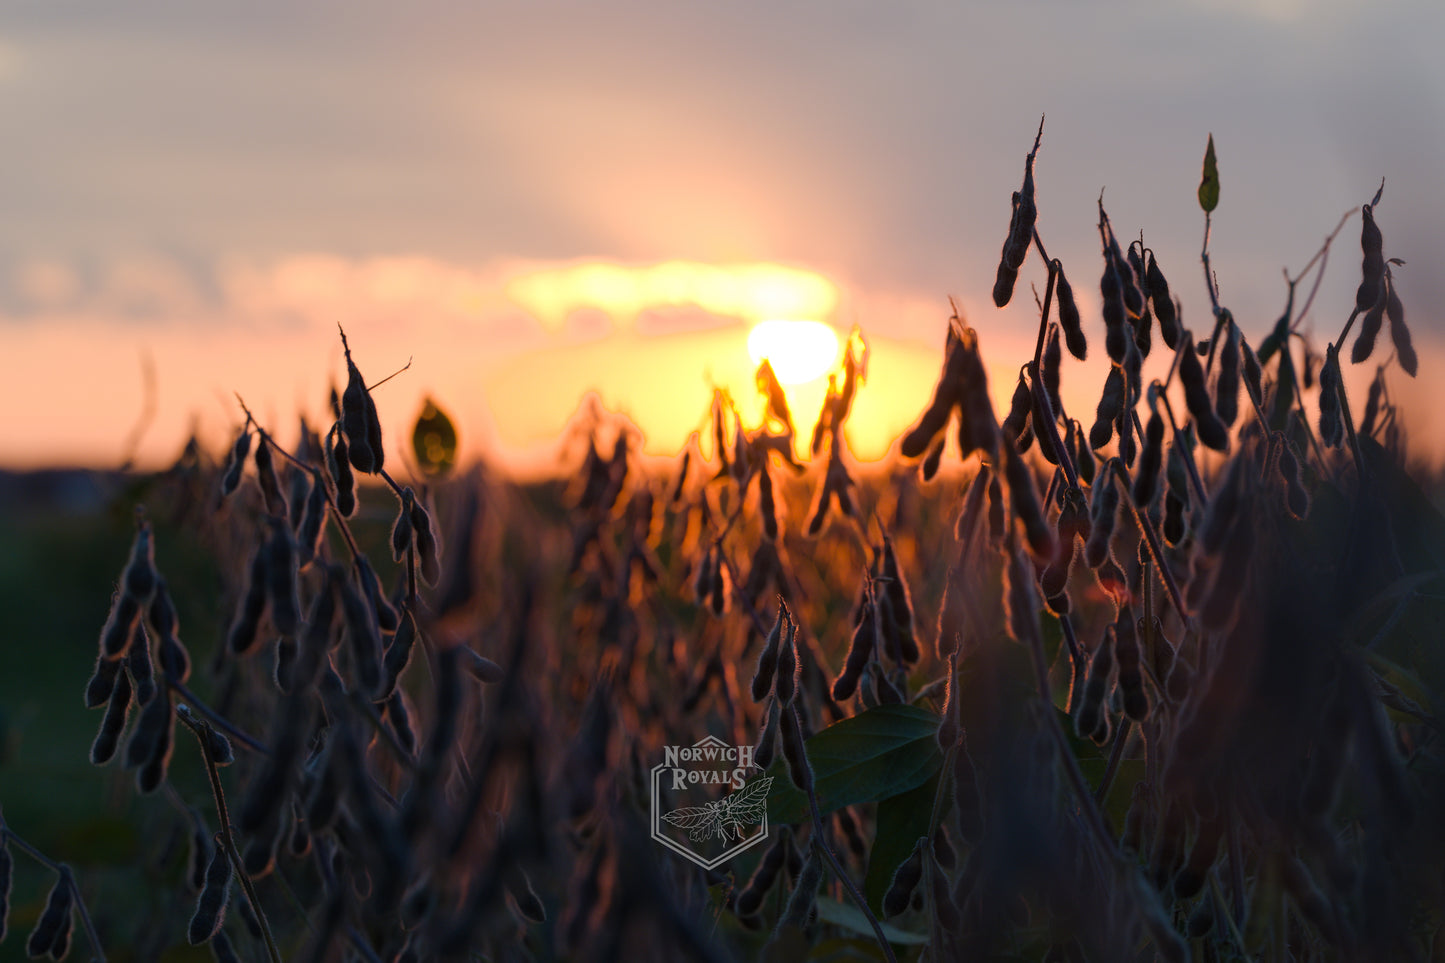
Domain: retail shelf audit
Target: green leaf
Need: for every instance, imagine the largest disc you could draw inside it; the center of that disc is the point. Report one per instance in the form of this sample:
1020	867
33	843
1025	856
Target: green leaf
901	820
868	757
434	440
850	917
1209	183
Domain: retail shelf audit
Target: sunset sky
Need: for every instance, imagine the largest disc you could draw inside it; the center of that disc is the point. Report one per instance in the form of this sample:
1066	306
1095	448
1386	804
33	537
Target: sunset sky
535	200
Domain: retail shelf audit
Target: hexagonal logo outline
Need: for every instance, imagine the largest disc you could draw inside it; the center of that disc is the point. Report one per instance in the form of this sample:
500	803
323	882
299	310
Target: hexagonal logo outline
744	760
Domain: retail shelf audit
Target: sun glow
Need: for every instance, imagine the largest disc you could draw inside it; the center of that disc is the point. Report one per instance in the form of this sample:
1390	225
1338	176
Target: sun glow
800	351
750	292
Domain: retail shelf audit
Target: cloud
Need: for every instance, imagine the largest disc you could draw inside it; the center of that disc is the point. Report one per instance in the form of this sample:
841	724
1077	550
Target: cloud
747	292
268	330
326	288
41	284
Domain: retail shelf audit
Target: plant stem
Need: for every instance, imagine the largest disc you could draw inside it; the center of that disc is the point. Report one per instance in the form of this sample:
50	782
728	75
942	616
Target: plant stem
1349	323
9	835
316	479
1222	906
216	719
1208	273
1092	815
1332	354
821	837
1194	478
1146	528
368	711
1072	640
1039	244
1041	397
201	728
1236	867
1044	319
1323	257
1066	462
373	386
1116	755
255	745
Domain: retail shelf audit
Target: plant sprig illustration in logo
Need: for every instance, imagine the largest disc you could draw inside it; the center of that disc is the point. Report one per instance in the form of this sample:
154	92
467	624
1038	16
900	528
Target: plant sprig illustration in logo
734	811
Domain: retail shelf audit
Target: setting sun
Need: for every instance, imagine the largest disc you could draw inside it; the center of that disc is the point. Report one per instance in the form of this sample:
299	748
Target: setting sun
800	351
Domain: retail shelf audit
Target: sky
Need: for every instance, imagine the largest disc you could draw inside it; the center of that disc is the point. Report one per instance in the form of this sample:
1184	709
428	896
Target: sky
531	201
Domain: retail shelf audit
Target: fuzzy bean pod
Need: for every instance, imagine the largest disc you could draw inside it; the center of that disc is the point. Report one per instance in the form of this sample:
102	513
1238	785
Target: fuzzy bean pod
1069	318
1127	655
52	929
1399	333
1111	403
1210	429
102	750
266	476
1158	288
210	909
236	462
1151	457
905	880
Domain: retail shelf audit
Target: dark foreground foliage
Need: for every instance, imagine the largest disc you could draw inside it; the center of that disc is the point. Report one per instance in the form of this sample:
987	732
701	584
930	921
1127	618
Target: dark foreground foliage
1167	690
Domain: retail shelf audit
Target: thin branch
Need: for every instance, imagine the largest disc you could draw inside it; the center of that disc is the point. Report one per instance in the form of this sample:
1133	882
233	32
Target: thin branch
398	371
245	738
1116	755
1324	252
9	835
316	479
1222	906
1332	353
216	719
391	482
1044	317
1299	403
1236	866
1146	528
1208	272
1173	367
202	729
368	711
1188	456
1041	397
1092	815
821	838
1039	244
1349	323
1323	256
1076	653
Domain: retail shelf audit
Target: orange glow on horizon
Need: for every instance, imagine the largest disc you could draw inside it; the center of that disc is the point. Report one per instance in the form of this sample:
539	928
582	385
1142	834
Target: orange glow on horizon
77	386
664	386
